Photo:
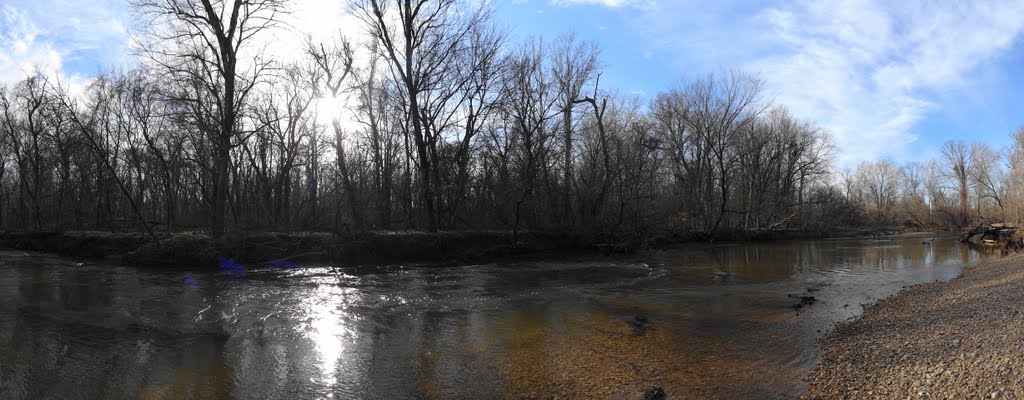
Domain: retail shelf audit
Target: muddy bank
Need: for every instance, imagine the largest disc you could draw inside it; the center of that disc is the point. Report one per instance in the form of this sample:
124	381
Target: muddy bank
957	339
362	249
369	248
84	244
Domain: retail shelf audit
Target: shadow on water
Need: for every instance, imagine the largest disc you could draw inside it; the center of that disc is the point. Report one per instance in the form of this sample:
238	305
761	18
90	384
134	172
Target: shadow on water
727	321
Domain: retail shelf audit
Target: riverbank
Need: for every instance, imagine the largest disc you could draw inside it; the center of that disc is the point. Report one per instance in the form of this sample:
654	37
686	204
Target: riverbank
958	339
371	248
367	248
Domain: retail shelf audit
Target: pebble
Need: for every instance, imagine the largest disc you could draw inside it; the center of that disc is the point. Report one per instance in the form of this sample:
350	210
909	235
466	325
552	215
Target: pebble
910	345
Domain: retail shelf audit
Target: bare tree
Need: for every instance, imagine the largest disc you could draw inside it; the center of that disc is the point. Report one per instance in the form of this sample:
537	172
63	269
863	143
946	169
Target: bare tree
914	177
957	158
455	128
483	66
382	117
574	66
25	123
1015	174
881	182
334	65
703	121
421	41
987	177
529	108
284	114
201	42
99	124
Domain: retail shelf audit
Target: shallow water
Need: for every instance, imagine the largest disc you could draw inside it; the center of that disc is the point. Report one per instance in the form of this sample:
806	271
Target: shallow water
702	322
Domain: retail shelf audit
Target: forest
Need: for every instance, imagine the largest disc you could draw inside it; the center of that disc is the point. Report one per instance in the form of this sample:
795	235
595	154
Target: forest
450	125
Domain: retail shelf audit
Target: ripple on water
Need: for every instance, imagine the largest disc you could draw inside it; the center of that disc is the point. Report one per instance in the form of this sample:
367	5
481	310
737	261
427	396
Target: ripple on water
701	321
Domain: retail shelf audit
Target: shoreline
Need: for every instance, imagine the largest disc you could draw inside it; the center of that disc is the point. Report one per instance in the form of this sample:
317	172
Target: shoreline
368	248
365	249
962	338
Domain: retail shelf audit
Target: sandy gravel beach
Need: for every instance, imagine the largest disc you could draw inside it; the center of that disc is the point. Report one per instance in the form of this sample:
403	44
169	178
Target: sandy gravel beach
945	340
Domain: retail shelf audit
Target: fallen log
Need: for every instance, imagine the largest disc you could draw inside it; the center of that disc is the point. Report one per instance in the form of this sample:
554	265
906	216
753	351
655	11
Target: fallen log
989	233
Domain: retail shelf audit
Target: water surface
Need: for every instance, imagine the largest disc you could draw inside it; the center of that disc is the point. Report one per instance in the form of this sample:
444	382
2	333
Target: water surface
704	321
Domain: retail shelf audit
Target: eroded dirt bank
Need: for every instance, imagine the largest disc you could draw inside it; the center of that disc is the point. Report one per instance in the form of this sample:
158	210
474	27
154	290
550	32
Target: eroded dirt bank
367	248
188	248
958	339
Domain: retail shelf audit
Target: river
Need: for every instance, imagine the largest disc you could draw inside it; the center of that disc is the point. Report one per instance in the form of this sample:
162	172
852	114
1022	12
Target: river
702	321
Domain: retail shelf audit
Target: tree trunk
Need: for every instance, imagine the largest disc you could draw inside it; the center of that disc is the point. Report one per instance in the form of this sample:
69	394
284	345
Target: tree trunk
220	194
346	178
567	161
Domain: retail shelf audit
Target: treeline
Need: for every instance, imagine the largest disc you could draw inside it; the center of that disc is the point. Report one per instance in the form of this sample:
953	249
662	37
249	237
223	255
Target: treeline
451	126
968	183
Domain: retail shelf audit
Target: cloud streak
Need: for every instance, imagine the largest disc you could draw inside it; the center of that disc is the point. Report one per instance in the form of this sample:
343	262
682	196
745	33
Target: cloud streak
874	73
870	70
62	39
21	49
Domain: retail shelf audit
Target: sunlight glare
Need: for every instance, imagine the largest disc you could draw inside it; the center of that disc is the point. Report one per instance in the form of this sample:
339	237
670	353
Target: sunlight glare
328	109
327	330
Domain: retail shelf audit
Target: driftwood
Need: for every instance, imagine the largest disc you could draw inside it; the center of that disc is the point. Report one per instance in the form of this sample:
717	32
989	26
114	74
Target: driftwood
990	234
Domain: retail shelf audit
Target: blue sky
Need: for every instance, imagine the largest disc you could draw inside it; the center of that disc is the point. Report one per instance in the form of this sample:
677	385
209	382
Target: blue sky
887	79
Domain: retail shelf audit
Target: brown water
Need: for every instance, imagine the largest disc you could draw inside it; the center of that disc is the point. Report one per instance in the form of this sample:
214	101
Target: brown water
719	322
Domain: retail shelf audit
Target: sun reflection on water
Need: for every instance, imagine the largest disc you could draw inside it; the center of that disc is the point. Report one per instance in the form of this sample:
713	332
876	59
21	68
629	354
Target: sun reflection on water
327	309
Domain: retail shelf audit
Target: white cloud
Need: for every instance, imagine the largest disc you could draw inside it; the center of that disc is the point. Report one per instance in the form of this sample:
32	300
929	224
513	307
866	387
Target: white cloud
61	38
20	50
868	70
62	35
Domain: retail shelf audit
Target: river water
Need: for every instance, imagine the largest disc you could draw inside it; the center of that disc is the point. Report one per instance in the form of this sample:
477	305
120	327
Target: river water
704	321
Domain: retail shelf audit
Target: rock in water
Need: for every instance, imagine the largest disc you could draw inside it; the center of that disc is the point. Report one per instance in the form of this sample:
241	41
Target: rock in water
639	324
654	393
804	301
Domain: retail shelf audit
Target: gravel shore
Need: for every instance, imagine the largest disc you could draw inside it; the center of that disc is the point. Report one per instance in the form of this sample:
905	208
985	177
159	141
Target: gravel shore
945	340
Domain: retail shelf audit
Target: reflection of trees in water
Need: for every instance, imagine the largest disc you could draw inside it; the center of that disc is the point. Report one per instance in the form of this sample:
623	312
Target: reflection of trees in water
763	262
760	261
911	253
